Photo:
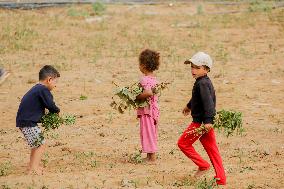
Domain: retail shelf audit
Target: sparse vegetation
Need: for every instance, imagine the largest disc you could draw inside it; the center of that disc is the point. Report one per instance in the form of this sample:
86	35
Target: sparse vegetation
184	182
86	160
91	50
199	9
206	184
77	13
260	5
5	168
17	38
98	8
136	158
83	97
5	186
45	159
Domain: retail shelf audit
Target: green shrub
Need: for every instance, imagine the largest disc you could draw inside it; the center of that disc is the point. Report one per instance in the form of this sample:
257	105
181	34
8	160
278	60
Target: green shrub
98	8
259	5
136	158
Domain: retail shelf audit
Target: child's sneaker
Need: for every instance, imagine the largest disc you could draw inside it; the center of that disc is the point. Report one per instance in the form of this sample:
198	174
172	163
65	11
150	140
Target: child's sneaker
3	75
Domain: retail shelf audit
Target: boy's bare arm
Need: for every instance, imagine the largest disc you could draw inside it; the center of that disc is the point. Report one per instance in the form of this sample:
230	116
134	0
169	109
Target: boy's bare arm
145	94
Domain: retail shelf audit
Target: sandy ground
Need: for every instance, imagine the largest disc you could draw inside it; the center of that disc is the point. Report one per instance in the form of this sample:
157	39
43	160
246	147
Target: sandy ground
93	51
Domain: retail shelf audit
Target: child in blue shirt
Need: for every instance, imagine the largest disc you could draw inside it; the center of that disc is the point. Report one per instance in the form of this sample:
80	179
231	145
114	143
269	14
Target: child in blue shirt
31	110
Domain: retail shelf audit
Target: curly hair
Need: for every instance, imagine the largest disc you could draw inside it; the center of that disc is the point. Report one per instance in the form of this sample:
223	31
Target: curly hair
149	59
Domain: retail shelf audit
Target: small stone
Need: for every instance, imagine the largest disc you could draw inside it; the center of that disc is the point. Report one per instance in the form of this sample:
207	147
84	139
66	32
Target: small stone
125	183
102	134
274	81
225	81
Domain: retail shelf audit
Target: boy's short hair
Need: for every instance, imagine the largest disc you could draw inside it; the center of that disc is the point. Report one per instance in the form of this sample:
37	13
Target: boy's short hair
48	71
207	68
150	59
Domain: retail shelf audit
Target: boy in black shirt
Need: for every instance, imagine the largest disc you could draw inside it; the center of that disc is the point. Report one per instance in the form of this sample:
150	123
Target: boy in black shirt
202	107
31	110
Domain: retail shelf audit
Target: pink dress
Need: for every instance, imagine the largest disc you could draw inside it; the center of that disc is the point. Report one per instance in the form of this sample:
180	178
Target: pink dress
149	117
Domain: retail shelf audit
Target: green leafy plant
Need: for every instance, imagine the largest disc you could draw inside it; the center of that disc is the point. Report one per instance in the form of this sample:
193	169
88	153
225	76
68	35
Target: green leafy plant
127	97
206	184
183	182
83	97
228	122
98	8
199	9
136	158
77	13
259	5
53	121
45	159
93	163
86	159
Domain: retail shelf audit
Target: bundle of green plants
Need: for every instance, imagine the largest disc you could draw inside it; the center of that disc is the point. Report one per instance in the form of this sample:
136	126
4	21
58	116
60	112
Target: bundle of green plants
127	96
227	122
53	121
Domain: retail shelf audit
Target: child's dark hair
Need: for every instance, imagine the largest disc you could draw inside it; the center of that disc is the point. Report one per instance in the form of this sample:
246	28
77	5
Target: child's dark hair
150	59
207	68
48	71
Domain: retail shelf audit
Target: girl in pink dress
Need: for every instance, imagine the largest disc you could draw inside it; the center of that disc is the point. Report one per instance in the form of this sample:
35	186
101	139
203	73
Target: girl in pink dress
149	61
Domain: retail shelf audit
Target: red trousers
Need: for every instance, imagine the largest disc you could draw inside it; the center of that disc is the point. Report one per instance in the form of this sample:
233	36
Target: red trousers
209	143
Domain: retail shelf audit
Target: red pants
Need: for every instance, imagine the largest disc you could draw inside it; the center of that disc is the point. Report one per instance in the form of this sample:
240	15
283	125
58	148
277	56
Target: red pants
209	143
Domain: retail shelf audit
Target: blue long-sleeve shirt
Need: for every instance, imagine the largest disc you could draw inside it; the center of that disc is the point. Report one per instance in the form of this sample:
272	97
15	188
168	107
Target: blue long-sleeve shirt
33	105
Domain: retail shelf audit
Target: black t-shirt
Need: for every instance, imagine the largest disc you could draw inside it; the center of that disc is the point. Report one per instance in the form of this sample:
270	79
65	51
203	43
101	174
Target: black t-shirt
33	104
203	101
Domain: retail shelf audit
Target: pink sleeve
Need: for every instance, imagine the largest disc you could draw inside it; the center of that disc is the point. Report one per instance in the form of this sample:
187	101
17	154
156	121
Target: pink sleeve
145	83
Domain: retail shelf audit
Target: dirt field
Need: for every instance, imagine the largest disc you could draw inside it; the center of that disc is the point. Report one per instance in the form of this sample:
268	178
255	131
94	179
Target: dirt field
91	51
